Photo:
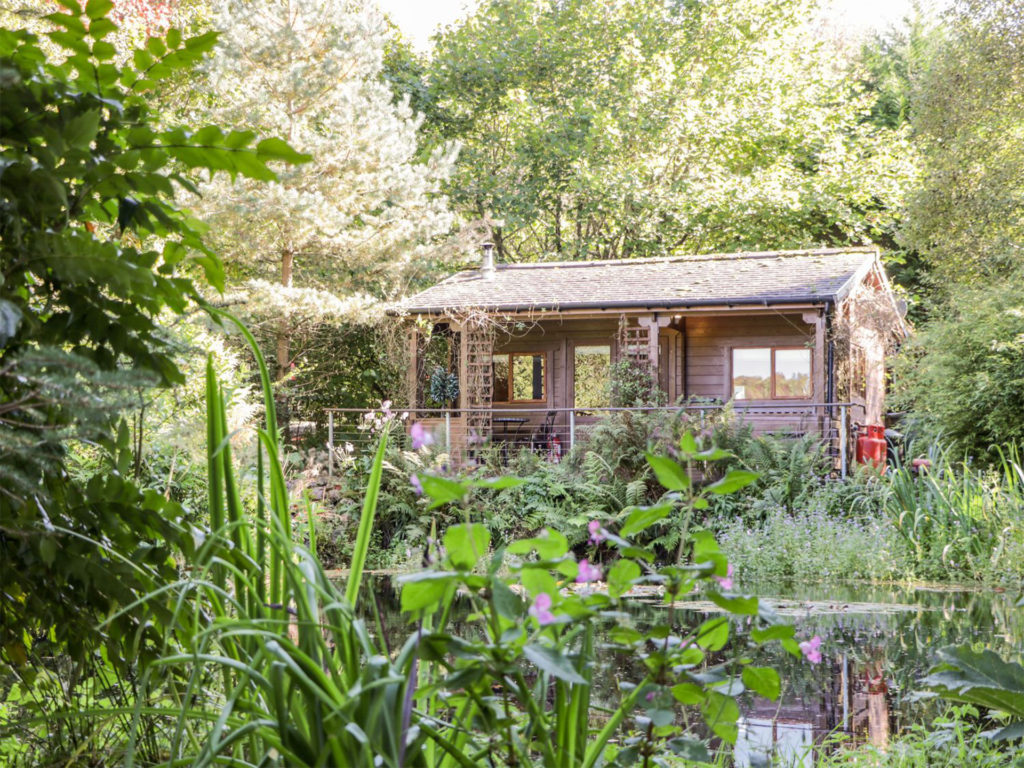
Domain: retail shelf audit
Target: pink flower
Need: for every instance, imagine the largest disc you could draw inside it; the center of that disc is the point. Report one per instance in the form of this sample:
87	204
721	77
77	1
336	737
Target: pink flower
725	581
596	535
587	572
417	486
811	649
421	436
541	609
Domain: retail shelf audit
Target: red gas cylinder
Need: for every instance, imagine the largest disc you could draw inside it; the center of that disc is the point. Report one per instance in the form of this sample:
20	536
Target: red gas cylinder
871	446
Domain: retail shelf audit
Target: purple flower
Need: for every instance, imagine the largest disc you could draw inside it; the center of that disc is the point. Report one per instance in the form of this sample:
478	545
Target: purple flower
811	649
587	572
725	581
541	609
596	534
649	696
421	436
417	486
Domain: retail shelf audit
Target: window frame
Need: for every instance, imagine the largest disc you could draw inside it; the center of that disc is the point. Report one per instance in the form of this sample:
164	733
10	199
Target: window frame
771	367
511	371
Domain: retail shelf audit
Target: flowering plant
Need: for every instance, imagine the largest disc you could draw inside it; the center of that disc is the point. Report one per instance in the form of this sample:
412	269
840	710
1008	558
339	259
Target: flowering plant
519	683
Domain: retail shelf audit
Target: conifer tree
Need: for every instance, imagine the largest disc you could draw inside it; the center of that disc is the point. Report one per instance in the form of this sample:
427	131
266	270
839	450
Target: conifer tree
367	208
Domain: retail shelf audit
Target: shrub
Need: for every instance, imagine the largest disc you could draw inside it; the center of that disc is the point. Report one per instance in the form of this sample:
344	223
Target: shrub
813	545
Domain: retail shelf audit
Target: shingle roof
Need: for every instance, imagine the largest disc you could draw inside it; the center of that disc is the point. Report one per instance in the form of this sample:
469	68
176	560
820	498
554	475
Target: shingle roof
774	277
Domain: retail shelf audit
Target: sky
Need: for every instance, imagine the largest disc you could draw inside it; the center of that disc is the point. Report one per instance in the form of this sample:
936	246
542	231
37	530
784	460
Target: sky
419	19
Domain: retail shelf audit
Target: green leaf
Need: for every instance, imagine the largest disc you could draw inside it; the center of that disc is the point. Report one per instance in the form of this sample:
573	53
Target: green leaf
549	545
775	632
978	677
466	544
621	576
688	443
424	590
689	749
554	663
744	606
497	483
97	9
669	473
441	490
763	681
506	602
713	634
688	693
642	518
48	550
721	713
279	149
734	480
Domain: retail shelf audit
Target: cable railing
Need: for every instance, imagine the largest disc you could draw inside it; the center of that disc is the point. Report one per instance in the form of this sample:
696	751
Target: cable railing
553	432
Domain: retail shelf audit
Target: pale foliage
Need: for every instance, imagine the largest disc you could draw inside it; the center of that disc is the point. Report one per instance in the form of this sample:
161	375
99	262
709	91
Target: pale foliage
608	129
365	207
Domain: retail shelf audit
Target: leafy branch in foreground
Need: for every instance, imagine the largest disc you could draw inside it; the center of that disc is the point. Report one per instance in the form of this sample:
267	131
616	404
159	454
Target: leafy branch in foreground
93	249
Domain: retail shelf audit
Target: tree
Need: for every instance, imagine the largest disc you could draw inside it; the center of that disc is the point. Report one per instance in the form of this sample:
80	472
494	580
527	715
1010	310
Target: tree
963	372
596	129
967	213
366	212
93	249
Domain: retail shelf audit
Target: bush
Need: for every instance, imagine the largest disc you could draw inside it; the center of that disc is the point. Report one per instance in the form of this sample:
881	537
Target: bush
814	545
953	740
963	373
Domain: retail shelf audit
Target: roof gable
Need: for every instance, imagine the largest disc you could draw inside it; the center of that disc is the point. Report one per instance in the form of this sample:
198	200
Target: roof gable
811	276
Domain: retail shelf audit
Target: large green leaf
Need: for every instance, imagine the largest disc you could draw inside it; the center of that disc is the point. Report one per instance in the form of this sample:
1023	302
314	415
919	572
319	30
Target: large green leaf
762	680
466	544
669	473
554	663
642	518
978	677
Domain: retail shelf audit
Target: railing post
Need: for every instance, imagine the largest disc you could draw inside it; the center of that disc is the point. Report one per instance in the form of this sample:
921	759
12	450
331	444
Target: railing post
842	441
330	444
448	431
572	429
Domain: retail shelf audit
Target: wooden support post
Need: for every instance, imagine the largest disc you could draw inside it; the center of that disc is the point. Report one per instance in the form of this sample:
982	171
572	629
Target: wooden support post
411	379
818	388
653	323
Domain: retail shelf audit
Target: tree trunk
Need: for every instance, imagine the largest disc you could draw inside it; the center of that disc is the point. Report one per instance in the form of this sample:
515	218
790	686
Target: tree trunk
283	346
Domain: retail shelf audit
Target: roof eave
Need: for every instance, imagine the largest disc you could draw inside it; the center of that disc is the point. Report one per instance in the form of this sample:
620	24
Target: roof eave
624	304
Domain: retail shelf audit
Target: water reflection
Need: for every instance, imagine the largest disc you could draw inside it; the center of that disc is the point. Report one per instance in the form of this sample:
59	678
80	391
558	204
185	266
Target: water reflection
877	643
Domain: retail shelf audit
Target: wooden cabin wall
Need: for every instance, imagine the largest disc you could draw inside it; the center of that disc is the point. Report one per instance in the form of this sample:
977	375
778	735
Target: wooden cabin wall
557	339
710	340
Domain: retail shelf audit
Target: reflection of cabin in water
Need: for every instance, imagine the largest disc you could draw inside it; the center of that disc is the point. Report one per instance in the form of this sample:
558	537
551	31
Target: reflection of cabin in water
785	336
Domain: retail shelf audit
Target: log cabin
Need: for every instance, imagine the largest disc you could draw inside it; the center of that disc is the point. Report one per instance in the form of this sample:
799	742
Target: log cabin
793	341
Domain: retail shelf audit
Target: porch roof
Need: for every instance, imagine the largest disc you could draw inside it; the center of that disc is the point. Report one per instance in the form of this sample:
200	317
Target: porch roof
760	278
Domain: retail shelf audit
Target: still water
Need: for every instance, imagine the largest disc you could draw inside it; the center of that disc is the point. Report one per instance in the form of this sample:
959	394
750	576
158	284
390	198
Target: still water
878	642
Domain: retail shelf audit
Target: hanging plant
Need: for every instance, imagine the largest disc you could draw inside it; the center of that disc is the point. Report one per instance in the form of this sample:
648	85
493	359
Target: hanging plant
444	387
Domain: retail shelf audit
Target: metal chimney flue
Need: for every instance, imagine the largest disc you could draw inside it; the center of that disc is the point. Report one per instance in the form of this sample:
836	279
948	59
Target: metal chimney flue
487	268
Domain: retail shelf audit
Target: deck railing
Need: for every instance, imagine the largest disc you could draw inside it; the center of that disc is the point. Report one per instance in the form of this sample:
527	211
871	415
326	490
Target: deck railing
553	432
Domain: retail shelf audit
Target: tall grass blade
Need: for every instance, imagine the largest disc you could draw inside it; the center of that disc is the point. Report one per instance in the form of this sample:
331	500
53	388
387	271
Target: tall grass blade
362	545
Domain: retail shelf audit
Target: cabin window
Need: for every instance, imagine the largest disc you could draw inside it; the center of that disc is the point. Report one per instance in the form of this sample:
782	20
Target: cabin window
591	367
519	377
771	373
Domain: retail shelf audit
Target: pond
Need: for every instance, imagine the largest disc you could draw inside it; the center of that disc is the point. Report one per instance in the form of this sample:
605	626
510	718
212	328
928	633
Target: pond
878	641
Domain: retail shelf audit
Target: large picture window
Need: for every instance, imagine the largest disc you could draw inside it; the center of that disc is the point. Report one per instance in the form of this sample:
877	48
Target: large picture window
771	373
519	377
591	369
